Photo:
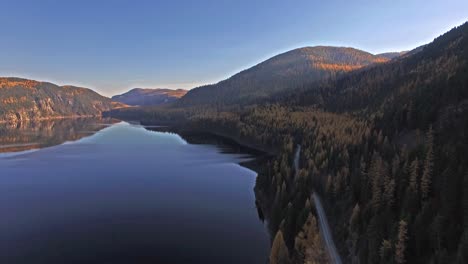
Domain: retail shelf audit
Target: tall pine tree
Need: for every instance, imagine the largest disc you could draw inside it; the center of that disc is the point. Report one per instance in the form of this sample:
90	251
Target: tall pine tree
400	246
426	179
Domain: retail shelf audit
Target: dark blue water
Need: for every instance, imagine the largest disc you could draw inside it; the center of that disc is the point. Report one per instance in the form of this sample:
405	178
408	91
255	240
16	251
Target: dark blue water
128	195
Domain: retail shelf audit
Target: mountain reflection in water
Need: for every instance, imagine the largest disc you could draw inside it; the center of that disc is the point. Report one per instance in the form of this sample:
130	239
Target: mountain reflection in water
25	136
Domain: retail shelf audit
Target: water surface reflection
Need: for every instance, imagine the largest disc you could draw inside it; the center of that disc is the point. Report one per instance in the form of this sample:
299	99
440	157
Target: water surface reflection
126	195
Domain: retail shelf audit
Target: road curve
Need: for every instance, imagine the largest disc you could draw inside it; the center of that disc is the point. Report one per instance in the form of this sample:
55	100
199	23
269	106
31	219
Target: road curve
322	217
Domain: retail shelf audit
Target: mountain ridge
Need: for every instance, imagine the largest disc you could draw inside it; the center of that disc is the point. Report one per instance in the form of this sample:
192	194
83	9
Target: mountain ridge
149	96
284	71
393	54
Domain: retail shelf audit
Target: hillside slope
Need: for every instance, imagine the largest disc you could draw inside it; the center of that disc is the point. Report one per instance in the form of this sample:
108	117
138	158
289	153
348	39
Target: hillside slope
292	69
423	82
147	97
23	99
405	171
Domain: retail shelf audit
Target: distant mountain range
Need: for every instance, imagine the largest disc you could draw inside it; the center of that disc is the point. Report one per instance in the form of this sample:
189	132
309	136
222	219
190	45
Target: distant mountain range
22	100
147	97
392	55
292	69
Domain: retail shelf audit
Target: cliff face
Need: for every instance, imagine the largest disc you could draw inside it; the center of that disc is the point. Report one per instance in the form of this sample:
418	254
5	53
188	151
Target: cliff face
22	100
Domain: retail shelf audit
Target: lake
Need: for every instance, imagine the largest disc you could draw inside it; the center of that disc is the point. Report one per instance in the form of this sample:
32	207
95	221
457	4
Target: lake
106	192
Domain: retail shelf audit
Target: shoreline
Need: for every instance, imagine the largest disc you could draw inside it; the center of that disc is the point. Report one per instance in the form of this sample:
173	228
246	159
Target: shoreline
49	118
186	128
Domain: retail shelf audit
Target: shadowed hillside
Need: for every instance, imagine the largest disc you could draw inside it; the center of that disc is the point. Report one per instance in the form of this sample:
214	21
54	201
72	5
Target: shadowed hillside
292	69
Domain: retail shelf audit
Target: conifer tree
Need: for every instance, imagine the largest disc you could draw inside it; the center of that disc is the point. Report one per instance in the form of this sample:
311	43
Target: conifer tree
354	219
414	169
426	179
400	246
389	192
308	243
385	250
375	173
279	251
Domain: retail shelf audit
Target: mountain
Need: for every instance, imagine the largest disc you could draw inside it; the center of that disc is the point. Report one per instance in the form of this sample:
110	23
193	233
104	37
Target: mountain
292	69
23	99
392	55
146	97
426	79
408	168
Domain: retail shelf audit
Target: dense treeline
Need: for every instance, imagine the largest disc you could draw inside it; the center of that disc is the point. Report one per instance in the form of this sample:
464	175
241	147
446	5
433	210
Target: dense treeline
385	146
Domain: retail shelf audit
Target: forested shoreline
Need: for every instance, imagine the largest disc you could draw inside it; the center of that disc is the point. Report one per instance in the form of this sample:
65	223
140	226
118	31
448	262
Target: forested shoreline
385	146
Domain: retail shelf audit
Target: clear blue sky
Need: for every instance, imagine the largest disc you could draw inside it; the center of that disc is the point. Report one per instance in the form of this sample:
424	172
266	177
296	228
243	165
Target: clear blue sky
112	46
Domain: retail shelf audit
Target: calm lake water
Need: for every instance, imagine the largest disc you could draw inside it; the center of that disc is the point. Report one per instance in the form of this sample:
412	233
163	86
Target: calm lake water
119	193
